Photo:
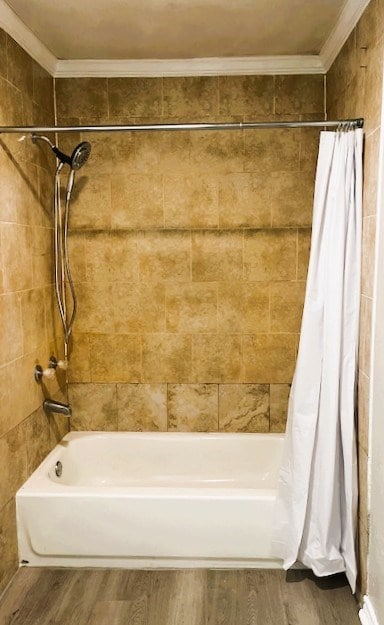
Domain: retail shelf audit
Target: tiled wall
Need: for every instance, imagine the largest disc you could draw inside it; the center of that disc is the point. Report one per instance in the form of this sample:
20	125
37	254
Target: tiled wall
29	330
354	89
189	252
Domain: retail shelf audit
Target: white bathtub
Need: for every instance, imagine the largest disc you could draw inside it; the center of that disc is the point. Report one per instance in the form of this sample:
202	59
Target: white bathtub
140	500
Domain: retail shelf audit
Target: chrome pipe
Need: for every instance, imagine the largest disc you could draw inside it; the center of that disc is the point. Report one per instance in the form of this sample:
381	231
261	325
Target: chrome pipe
343	123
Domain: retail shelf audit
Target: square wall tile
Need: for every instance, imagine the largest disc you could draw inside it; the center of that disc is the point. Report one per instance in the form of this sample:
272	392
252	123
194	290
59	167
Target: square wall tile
191	307
142	407
115	357
217	256
270	255
279	396
190	202
216	358
165	256
244	407
190	96
94	406
193	407
269	358
166	357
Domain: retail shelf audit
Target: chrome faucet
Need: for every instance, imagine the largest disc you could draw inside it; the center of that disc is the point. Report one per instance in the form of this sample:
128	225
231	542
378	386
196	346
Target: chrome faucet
51	405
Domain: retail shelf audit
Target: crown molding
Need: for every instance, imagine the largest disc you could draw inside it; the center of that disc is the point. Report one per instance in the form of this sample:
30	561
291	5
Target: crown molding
26	38
367	614
230	66
349	16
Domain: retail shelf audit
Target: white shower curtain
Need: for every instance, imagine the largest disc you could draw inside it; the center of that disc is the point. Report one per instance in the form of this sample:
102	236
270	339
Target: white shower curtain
317	501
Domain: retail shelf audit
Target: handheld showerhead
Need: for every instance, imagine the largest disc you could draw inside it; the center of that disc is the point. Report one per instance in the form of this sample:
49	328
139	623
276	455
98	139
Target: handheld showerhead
78	157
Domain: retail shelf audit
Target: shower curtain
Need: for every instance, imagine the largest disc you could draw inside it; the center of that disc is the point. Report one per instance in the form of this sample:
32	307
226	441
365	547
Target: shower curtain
317	500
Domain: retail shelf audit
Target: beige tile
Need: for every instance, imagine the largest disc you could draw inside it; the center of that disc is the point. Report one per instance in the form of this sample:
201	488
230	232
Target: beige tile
193	407
243	307
8	544
303	249
88	95
112	154
11	403
269	358
94	406
368	255
300	94
37	435
42	256
291	199
365	346
11	107
287	301
142	407
192	95
3	54
246	95
279	396
309	150
174	152
16	243
363	483
191	307
33	319
137	201
134	97
139	307
256	307
272	150
91	204
115	358
373	87
148	152
111	257
217	151
244	407
270	255
13	463
59	426
371	156
42	88
166	358
363	411
77	256
363	542
95	307
216	358
20	66
217	256
11	337
245	200
190	201
165	256
79	368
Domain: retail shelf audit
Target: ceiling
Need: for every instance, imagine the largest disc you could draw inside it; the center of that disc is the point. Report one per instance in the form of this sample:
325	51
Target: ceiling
181	37
179	29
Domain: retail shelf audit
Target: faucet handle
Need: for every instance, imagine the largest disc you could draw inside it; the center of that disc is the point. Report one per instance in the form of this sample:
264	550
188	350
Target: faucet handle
41	373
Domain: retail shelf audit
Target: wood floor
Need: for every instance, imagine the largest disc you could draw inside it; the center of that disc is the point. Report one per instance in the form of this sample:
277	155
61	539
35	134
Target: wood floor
168	597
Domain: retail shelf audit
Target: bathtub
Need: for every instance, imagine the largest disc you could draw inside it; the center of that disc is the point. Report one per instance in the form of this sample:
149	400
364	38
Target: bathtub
142	500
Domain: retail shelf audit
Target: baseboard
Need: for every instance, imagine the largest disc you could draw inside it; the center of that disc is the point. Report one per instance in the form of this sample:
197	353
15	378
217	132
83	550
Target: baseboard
367	614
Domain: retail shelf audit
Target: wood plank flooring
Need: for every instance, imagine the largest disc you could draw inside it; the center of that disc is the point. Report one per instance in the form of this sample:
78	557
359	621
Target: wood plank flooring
170	597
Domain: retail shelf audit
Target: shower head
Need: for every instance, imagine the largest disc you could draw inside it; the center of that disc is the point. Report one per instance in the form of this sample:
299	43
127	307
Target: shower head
78	157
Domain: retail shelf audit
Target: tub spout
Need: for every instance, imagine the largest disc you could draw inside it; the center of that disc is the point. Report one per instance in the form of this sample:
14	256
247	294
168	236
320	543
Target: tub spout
50	405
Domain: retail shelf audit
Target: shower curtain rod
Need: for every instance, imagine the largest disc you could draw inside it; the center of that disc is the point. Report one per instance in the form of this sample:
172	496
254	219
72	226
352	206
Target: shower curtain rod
343	123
